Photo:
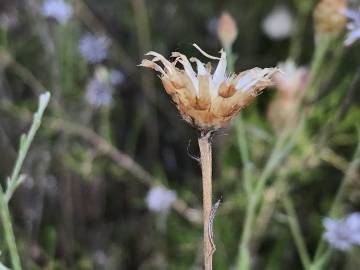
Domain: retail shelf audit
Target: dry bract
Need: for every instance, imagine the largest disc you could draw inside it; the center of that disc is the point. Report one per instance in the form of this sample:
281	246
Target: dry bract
208	100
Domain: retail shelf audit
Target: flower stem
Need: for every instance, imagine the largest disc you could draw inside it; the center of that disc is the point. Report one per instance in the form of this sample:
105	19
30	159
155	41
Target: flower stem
9	232
280	151
206	170
296	231
16	179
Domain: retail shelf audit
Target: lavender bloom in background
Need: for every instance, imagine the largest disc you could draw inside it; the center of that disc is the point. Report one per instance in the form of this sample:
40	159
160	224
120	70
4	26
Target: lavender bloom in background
99	89
116	77
353	222
57	9
342	234
353	26
98	93
93	48
160	199
278	24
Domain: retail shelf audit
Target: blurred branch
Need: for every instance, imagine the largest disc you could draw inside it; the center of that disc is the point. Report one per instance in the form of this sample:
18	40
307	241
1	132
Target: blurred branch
142	24
49	45
304	10
296	230
284	144
103	147
122	159
7	61
343	108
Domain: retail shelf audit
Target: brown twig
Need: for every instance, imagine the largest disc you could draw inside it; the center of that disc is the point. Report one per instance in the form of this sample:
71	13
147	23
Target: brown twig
206	169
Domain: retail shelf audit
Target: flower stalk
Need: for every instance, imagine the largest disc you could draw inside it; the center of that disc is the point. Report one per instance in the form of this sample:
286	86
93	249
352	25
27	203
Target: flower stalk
206	170
208	100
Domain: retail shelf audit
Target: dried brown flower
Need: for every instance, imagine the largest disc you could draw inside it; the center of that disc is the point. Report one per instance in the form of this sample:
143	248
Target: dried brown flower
328	18
283	111
205	100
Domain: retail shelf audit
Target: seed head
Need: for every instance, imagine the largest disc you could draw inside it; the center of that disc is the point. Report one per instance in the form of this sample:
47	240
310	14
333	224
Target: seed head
208	100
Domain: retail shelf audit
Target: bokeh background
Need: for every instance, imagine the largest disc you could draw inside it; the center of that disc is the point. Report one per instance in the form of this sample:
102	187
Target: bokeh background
111	134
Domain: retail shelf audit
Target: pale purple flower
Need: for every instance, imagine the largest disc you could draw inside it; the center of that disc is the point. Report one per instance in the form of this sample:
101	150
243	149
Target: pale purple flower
99	89
57	9
160	199
94	48
279	23
98	93
116	77
353	222
353	26
342	234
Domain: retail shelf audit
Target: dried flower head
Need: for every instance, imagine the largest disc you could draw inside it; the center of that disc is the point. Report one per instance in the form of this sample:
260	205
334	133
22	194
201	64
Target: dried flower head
328	18
208	100
291	83
343	233
353	26
160	199
279	23
226	29
94	48
292	80
57	9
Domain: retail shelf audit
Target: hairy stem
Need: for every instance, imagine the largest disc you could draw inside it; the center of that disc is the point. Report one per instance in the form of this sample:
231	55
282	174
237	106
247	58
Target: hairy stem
206	169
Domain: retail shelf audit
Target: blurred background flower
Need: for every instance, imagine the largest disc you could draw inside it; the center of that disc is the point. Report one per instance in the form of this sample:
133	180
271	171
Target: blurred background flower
160	199
353	26
278	24
344	233
100	89
57	9
94	48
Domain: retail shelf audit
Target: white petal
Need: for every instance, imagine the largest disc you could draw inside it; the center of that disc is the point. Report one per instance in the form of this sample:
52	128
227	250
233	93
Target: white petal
352	37
200	66
166	63
189	71
246	81
219	74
